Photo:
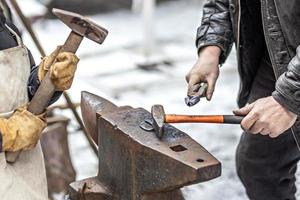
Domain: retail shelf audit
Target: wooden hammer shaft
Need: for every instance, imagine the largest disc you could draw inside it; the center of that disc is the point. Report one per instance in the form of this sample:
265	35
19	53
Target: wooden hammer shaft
41	99
217	119
45	92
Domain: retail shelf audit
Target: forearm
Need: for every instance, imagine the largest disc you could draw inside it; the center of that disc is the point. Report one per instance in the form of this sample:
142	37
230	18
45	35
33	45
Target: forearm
287	90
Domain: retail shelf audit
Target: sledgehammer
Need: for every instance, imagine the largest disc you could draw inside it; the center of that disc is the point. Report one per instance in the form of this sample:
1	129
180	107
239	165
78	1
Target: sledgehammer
81	27
160	118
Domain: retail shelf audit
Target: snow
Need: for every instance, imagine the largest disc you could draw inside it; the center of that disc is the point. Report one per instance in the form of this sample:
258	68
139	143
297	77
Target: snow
111	71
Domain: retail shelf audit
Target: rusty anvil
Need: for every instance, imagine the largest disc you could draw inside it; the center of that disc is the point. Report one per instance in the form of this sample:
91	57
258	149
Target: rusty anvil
133	163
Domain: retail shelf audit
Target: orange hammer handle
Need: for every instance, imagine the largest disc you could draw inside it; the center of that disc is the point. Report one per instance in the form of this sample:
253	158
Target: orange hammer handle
217	119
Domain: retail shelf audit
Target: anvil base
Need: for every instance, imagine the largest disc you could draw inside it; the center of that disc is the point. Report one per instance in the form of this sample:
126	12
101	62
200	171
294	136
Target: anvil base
92	189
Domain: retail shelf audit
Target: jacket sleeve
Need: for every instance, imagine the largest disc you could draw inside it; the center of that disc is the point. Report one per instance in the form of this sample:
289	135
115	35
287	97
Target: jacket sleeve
216	27
287	91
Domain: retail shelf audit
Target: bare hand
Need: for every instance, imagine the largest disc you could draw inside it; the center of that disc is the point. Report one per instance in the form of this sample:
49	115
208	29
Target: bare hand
267	117
206	70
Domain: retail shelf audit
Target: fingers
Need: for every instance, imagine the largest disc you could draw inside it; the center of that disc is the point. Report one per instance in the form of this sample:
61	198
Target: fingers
265	131
49	60
65	65
211	87
63	84
274	135
256	128
244	111
253	123
63	70
267	117
194	83
205	70
250	119
193	79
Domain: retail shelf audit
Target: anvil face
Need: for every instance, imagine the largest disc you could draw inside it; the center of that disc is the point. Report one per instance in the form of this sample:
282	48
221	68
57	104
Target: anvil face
134	163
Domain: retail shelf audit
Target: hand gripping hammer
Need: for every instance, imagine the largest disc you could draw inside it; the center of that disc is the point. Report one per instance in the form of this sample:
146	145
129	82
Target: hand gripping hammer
81	27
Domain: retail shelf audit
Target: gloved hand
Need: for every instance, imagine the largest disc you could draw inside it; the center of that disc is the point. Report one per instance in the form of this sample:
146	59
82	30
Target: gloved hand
62	68
22	130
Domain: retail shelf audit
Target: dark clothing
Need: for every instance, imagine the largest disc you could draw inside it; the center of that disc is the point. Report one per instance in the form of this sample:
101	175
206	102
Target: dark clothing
264	82
7	40
228	21
266	34
267	166
253	41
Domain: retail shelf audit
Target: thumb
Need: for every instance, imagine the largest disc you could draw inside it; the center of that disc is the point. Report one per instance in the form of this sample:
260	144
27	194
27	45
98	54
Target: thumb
48	61
244	111
211	88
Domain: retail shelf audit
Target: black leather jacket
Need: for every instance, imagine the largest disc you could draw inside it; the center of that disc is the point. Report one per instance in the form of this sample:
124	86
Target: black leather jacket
278	32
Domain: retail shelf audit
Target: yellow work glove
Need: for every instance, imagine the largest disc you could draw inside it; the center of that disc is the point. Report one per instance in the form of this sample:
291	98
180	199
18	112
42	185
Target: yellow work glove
62	66
22	130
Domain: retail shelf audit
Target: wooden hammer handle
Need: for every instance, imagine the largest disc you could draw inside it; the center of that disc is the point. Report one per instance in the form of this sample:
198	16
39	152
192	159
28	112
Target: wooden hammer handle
46	90
218	119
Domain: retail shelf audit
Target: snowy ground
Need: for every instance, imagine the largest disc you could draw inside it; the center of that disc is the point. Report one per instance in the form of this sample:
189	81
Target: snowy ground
110	71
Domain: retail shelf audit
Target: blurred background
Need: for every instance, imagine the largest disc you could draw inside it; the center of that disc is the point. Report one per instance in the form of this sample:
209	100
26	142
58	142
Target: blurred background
144	60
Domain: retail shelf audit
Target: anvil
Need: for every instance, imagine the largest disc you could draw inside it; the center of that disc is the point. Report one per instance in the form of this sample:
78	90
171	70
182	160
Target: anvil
133	163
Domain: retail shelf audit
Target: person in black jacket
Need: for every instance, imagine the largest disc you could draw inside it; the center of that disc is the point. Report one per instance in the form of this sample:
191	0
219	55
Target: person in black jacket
266	35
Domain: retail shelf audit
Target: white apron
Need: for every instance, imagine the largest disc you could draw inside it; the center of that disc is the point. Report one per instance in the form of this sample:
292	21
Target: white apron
26	178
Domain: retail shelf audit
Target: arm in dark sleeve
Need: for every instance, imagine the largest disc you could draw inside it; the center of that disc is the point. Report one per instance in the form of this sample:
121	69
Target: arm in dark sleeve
287	91
34	83
216	27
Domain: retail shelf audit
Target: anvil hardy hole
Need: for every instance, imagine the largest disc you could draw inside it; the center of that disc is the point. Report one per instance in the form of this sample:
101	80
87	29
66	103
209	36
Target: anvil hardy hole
200	160
178	148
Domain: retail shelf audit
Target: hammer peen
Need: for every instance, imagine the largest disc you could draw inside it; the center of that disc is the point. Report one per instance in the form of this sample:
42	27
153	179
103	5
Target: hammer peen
160	118
81	27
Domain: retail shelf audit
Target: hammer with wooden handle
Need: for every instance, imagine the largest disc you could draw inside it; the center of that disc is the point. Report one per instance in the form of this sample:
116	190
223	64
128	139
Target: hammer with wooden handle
81	27
160	118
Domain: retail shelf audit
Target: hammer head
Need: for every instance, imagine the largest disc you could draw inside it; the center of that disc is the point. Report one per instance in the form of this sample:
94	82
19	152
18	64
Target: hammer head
82	25
158	116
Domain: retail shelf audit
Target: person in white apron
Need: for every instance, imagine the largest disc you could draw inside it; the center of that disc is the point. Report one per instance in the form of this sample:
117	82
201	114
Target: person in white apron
24	179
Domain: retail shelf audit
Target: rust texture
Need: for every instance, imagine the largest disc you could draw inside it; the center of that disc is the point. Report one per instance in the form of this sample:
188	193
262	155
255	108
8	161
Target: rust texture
90	105
59	169
136	165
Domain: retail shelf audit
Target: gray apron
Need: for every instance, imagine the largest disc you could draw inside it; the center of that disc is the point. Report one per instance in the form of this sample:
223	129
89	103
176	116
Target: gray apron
24	179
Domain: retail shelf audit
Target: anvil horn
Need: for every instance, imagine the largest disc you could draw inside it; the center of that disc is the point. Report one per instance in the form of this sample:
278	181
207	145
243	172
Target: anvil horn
91	105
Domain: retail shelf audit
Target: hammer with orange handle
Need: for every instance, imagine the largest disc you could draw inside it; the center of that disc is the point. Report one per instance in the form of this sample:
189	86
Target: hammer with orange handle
160	118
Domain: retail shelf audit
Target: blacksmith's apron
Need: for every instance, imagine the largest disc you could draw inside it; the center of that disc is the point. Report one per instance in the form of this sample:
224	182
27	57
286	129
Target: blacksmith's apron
26	178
